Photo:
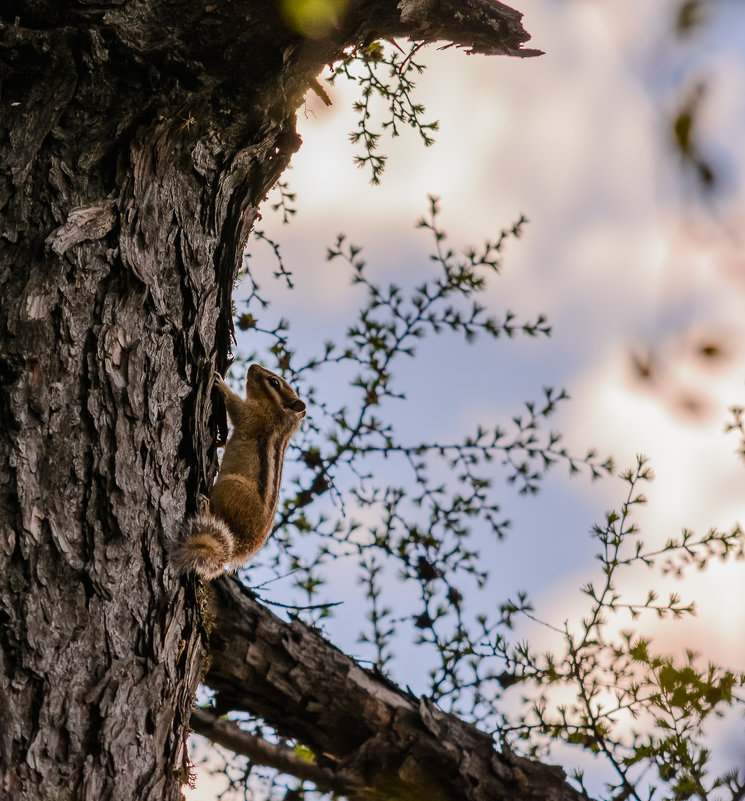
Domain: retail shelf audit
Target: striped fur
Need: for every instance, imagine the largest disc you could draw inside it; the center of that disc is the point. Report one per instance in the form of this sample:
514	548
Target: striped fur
271	453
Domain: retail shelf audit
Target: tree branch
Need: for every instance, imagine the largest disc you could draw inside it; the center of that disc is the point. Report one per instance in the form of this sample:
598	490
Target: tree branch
156	31
261	752
387	742
480	26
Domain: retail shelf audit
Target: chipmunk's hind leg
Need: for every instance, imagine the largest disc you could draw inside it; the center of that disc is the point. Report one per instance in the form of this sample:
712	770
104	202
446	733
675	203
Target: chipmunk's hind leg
236	500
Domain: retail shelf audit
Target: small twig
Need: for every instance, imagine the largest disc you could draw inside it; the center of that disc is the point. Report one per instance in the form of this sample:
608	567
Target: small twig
417	46
297	608
259	751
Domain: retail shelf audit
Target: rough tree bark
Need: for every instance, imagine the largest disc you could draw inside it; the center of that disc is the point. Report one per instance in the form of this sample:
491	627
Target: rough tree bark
137	141
372	740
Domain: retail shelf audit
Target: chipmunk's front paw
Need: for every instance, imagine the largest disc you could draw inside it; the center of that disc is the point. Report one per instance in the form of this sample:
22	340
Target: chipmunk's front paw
219	382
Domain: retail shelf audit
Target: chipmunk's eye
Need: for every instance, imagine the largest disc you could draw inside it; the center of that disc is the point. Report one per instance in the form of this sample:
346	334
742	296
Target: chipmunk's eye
274	382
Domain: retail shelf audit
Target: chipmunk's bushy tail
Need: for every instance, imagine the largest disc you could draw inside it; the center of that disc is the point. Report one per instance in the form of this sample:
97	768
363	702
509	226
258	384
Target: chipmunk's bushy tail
206	548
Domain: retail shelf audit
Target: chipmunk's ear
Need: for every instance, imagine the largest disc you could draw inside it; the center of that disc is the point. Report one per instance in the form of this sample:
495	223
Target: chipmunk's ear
298	406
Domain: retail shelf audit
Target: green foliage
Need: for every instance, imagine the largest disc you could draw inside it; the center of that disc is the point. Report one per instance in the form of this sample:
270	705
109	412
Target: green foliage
604	688
636	708
313	18
411	518
426	522
685	136
737	424
385	72
690	15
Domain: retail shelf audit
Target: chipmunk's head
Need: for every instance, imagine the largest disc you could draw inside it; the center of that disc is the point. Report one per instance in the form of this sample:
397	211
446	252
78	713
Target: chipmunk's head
275	396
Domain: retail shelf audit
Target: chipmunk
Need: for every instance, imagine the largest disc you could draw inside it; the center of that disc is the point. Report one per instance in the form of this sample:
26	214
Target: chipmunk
236	520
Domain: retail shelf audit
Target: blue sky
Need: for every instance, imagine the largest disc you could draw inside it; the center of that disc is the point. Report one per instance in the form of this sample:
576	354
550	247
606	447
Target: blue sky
620	252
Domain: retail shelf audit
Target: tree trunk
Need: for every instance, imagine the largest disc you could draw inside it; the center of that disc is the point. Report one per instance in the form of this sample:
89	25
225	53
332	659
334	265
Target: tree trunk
137	141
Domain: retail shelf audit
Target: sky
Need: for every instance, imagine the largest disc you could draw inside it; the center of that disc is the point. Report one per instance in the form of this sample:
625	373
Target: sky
631	262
